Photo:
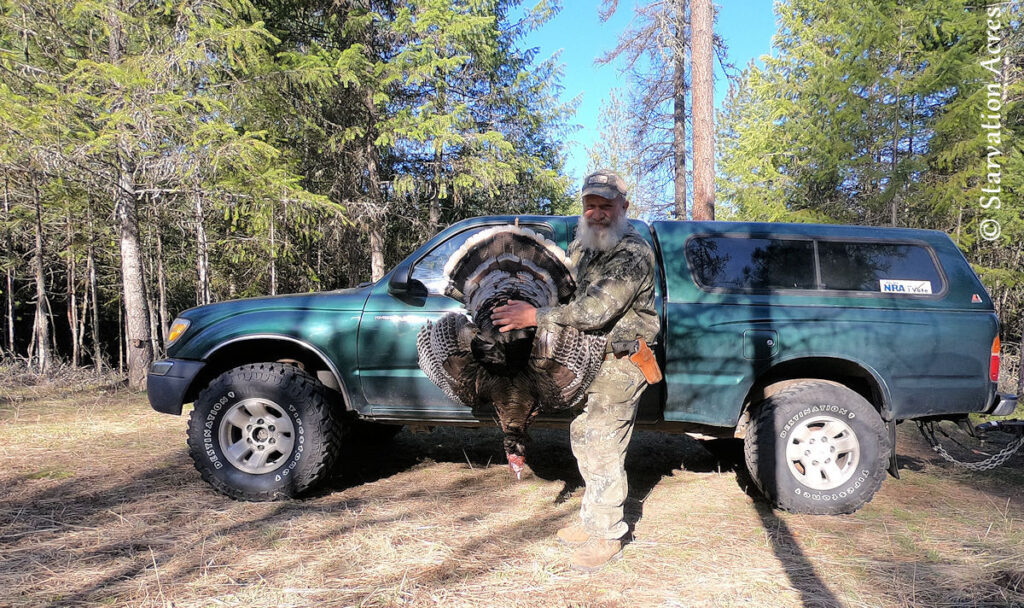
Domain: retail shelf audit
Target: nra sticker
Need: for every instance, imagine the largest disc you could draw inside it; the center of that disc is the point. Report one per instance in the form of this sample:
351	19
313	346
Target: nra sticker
907	287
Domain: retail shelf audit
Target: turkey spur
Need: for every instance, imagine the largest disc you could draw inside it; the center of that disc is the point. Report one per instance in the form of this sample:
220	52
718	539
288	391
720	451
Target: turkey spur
522	371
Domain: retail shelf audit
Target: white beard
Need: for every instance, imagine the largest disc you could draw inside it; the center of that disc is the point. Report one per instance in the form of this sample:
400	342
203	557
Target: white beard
599	238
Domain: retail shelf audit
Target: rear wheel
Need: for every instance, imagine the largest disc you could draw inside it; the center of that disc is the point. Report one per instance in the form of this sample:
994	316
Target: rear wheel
817	447
263	432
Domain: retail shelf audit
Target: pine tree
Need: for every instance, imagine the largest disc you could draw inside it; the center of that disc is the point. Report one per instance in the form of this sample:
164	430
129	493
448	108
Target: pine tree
616	149
654	51
124	100
244	148
703	92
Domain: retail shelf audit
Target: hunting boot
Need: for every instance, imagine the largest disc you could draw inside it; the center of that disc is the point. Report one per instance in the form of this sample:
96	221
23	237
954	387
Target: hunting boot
595	553
573	535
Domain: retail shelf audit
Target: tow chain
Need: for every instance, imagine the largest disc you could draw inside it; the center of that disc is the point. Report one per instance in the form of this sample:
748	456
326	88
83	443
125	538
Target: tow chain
997	459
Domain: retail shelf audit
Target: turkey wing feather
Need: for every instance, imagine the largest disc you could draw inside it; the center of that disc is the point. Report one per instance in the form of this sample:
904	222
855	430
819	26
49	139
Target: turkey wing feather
446	359
565	361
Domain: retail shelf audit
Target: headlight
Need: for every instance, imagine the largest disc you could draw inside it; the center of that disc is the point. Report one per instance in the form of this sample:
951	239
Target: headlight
178	327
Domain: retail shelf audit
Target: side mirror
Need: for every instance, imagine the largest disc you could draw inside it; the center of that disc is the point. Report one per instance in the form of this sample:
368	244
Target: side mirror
402	284
398	284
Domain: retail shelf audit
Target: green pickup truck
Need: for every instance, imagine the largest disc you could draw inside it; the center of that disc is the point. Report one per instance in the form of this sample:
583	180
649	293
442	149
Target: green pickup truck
810	342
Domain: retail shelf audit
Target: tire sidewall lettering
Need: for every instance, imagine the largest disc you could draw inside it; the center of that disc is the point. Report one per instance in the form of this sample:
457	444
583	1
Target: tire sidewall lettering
299	398
847	492
210	449
837	410
790	414
214	451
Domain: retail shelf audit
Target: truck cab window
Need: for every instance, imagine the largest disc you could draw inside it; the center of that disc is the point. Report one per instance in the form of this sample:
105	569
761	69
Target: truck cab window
752	264
863	266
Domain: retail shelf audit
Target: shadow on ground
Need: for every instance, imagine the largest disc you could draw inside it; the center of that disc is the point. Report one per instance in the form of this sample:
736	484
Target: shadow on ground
651	457
109	533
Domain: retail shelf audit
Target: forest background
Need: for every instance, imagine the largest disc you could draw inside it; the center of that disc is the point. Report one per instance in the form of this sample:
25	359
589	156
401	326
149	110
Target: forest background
160	155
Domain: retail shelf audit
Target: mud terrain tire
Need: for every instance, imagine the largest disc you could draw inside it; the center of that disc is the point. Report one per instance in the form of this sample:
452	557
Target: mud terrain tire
817	448
265	431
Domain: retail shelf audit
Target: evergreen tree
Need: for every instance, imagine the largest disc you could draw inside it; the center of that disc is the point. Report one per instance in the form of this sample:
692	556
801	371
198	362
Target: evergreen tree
122	99
427	112
244	148
616	149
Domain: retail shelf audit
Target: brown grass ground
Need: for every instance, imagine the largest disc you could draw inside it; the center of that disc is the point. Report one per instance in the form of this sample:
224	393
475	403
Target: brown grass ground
100	506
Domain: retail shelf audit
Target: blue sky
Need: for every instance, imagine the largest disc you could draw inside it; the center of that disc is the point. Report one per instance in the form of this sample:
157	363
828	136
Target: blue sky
746	25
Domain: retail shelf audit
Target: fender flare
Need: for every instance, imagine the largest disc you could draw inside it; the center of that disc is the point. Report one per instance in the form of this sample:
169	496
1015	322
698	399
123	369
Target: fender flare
342	388
884	395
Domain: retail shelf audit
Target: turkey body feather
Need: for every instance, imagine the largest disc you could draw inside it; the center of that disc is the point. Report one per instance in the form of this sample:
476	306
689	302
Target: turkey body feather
520	372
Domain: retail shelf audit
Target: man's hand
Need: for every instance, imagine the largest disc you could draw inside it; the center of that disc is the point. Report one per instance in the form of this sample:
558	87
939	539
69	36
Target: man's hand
516	314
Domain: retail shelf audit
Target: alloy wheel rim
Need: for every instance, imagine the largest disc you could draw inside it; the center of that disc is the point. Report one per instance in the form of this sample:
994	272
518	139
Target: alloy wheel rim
823	452
256	435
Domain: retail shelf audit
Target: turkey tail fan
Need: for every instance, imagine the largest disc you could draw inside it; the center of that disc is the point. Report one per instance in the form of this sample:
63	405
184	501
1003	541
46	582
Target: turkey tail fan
565	362
521	371
499	264
508	262
446	358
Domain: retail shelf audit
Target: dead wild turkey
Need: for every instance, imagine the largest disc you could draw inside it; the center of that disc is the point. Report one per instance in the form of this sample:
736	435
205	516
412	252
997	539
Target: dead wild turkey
521	371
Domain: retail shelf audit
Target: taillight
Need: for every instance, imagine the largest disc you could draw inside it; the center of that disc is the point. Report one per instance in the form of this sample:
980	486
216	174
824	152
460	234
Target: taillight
993	366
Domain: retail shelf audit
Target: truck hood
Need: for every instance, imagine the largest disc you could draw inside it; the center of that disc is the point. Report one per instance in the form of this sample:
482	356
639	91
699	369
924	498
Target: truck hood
200	317
340	300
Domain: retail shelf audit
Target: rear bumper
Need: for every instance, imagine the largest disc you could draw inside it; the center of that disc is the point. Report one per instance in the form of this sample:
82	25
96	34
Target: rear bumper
167	382
1004	405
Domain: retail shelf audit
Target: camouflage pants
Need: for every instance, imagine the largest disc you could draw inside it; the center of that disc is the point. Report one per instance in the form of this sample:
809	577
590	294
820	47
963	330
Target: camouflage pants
599	438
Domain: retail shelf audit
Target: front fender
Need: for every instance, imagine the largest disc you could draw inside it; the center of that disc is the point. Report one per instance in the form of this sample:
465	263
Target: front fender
328	335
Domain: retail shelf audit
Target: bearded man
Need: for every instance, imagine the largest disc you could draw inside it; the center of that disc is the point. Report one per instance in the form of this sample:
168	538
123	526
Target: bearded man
614	297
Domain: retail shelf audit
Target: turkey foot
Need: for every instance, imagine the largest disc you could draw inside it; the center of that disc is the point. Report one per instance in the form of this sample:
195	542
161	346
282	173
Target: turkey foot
517	464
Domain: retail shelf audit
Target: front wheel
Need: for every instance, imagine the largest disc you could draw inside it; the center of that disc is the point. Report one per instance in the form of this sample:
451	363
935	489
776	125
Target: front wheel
818	448
263	432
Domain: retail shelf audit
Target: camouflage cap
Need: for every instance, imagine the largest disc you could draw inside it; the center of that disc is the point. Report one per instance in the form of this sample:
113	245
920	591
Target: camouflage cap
605	183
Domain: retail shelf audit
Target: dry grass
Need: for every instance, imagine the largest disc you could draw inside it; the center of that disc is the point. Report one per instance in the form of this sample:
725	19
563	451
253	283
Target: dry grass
100	506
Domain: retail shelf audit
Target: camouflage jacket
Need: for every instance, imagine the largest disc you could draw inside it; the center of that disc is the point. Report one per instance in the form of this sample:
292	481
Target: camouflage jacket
614	292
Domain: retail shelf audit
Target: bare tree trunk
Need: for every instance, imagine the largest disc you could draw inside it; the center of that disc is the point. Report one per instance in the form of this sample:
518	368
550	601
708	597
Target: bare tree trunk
72	279
161	281
435	201
151	306
273	256
376	252
374	218
97	352
41	326
154	329
83	314
10	312
150	270
702	20
10	273
139	349
894	159
202	255
679	115
120	338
